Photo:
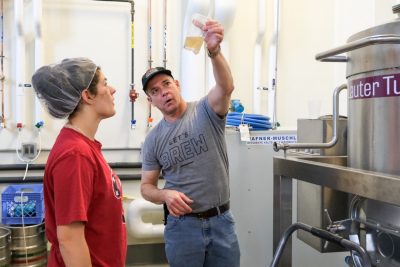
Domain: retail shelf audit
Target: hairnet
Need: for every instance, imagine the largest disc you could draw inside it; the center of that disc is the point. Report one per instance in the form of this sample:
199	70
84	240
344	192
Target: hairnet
59	86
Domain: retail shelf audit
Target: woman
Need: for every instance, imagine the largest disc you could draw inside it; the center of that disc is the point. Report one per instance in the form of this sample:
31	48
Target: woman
83	196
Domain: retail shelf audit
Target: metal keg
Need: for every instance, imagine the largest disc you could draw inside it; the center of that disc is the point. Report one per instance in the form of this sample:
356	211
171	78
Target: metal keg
373	75
5	252
28	246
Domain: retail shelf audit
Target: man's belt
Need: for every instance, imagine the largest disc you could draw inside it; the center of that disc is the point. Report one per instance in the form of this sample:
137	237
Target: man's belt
210	213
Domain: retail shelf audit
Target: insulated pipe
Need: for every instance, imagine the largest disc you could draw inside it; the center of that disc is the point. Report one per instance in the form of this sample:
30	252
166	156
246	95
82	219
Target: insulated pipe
224	12
285	146
37	6
273	65
135	224
345	243
193	70
262	22
19	61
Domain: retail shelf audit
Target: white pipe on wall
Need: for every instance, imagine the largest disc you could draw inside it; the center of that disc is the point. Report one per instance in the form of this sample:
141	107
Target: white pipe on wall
273	65
135	224
37	6
192	76
257	88
19	60
257	79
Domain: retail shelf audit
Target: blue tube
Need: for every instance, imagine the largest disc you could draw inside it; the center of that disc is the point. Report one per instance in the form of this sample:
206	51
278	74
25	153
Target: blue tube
250	122
248	119
255	121
234	114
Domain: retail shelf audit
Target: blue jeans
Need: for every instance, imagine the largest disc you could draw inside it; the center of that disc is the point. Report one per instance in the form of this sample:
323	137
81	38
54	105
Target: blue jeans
193	242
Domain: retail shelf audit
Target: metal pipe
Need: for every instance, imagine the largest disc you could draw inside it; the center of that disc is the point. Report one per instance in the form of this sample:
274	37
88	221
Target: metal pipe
261	29
333	141
165	33
132	84
2	78
354	209
273	67
37	15
352	246
370	40
19	62
133	120
335	59
150	60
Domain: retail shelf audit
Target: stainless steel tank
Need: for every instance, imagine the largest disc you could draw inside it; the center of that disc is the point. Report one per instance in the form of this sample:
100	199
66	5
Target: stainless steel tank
373	73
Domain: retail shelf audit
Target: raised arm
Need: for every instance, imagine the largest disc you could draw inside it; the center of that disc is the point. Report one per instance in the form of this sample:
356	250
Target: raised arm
220	95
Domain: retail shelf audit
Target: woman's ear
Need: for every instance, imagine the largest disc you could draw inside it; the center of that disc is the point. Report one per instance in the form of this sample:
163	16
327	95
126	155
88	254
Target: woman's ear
87	97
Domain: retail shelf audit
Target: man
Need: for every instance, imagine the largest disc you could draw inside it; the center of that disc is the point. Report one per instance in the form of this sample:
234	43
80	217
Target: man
188	148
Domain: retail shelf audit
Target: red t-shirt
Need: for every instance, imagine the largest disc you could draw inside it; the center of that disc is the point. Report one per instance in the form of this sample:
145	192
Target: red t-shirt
79	185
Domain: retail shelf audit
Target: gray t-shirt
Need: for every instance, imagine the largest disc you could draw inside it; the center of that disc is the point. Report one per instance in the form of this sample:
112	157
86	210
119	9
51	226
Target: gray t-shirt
191	154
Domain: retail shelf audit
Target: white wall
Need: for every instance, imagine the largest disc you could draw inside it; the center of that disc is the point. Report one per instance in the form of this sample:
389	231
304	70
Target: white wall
101	31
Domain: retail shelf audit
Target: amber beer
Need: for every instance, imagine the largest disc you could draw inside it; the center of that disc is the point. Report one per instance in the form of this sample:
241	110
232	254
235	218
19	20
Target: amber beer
194	34
193	43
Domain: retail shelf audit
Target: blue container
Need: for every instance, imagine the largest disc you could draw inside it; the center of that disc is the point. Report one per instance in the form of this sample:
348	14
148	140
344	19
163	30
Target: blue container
22	204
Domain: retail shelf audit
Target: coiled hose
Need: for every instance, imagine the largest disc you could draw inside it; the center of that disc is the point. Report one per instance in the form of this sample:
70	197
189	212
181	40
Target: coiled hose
255	121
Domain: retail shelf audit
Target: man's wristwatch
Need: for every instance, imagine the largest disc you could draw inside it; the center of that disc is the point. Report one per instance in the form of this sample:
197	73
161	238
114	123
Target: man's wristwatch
215	53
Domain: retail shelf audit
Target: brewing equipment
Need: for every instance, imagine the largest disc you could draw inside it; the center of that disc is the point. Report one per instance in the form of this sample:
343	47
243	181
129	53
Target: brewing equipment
369	175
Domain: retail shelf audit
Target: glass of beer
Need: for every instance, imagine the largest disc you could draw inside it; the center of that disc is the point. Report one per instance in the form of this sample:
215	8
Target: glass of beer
194	35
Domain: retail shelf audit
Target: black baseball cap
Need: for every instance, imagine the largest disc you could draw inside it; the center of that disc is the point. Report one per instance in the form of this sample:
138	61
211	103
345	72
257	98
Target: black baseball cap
151	73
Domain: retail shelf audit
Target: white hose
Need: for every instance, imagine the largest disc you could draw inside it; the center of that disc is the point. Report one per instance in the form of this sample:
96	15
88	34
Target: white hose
135	224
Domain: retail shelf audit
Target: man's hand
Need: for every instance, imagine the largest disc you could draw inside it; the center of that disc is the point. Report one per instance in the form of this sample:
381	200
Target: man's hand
177	202
213	35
